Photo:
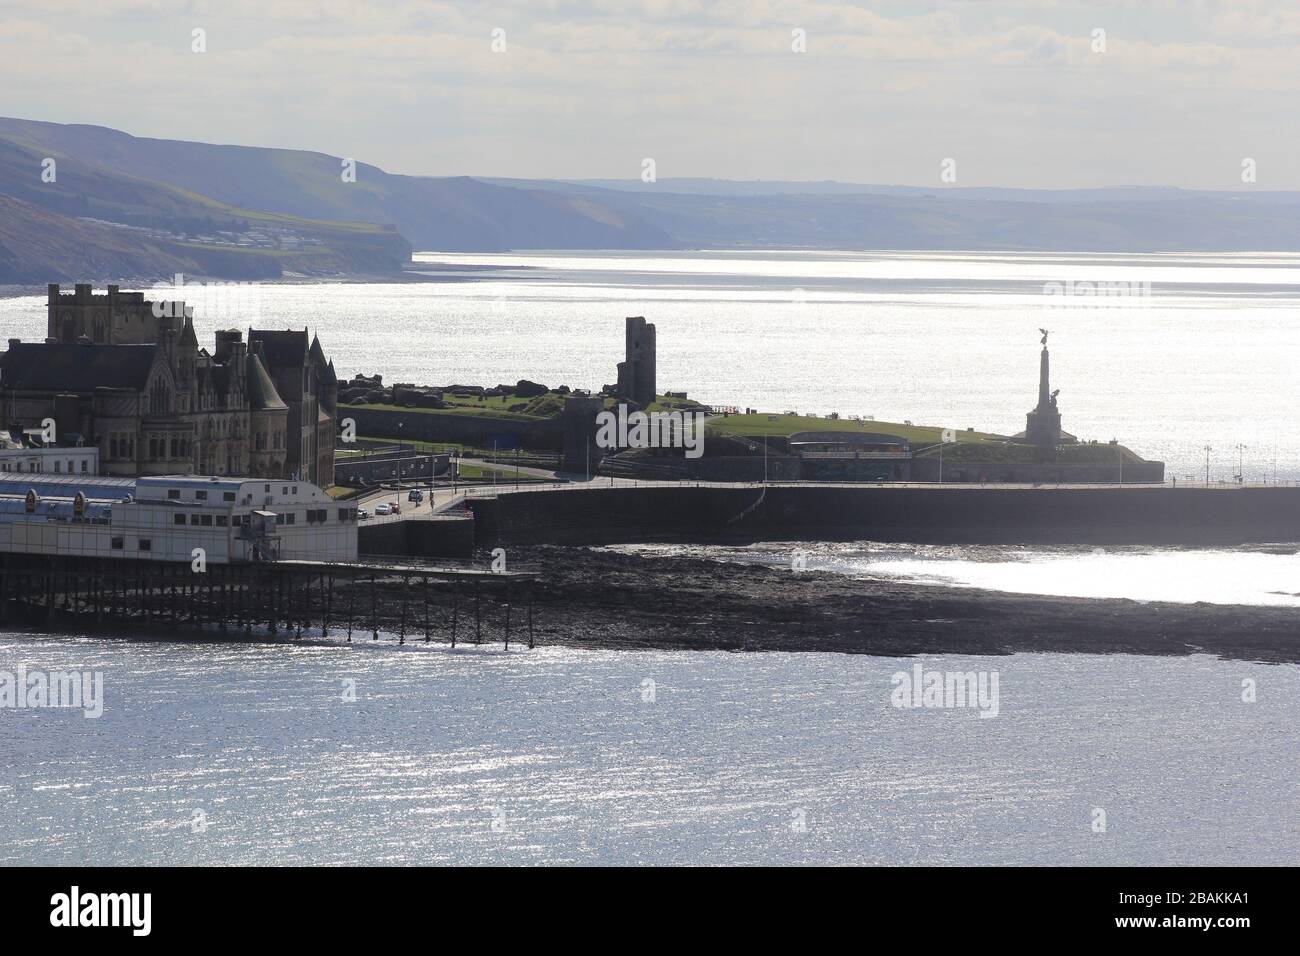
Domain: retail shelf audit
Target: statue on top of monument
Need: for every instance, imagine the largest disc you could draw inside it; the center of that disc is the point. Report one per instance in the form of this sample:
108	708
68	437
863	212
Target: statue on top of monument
1045	334
1054	394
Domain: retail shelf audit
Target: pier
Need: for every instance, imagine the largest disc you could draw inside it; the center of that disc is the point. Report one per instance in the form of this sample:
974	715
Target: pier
411	600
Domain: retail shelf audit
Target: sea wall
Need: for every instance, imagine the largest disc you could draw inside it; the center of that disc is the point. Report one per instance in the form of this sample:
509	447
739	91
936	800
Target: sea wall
927	469
446	536
969	514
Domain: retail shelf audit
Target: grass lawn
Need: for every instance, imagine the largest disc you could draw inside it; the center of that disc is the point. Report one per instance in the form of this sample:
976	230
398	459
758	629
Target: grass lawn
487	409
504	473
546	406
784	425
454	448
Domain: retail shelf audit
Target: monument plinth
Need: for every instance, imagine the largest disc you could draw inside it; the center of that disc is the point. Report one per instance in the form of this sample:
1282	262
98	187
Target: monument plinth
1043	424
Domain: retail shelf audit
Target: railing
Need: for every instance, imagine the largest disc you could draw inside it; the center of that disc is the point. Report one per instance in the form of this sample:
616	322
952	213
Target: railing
488	491
850	455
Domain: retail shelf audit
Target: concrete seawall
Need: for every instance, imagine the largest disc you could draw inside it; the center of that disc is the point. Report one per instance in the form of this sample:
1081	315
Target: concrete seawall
970	514
442	537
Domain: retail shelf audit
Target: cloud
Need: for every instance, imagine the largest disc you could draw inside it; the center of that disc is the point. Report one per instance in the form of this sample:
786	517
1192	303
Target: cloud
589	87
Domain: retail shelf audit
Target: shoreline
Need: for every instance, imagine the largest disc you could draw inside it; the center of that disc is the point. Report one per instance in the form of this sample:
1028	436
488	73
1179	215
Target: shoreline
615	601
595	599
18	290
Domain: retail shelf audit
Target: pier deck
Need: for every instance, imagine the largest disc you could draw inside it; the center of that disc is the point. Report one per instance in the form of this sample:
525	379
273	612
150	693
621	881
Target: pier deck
405	598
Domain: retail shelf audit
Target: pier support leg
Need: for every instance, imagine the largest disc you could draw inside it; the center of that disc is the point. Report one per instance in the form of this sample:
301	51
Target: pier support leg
455	611
401	632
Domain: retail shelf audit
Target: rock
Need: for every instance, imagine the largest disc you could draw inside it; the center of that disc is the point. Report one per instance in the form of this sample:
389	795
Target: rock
526	389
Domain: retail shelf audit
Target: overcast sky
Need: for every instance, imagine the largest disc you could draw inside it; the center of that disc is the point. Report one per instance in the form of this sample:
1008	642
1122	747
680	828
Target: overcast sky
1014	92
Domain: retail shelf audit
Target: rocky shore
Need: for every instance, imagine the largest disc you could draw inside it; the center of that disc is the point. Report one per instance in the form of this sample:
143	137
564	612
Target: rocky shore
603	599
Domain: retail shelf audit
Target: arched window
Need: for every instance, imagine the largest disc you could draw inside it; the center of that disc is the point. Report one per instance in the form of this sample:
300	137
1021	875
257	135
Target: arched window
99	330
160	398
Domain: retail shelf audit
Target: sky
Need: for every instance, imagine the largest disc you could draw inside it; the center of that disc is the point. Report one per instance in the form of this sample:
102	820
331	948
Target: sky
1021	94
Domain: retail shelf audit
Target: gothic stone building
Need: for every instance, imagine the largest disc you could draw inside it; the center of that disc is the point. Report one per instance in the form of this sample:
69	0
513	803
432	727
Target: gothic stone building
127	374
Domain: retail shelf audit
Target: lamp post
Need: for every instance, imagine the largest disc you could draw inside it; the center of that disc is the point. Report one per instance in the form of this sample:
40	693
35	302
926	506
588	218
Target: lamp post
1208	449
1241	464
945	436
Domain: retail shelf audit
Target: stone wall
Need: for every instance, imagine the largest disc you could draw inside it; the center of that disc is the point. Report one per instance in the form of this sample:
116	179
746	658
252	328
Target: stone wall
447	536
969	514
476	430
350	469
927	469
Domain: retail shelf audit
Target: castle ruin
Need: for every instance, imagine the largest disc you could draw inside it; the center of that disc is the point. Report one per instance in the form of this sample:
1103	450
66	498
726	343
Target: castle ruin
636	374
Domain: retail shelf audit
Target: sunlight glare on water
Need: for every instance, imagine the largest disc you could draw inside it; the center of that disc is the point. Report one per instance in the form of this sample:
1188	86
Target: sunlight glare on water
941	339
560	756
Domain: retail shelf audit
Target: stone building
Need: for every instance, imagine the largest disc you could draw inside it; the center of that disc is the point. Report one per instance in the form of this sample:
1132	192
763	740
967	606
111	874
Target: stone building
127	375
115	318
581	454
309	388
636	374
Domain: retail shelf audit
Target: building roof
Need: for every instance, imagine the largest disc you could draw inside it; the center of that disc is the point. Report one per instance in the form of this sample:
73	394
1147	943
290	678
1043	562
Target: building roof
99	487
49	508
75	367
281	348
202	482
262	394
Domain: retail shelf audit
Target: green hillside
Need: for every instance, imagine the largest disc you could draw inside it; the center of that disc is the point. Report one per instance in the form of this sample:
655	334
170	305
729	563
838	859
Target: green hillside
457	213
154	229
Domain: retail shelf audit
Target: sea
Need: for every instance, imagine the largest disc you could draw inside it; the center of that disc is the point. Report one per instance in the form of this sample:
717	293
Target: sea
370	753
258	752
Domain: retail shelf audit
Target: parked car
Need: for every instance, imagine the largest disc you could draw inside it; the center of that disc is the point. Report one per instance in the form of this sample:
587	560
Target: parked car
417	496
381	509
362	514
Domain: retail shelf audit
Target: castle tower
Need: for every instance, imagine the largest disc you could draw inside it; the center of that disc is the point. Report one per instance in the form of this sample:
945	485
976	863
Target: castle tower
636	374
1043	424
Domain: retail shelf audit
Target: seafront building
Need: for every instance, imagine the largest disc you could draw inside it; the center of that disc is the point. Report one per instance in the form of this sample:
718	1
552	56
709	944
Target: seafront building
233	520
126	375
18	455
